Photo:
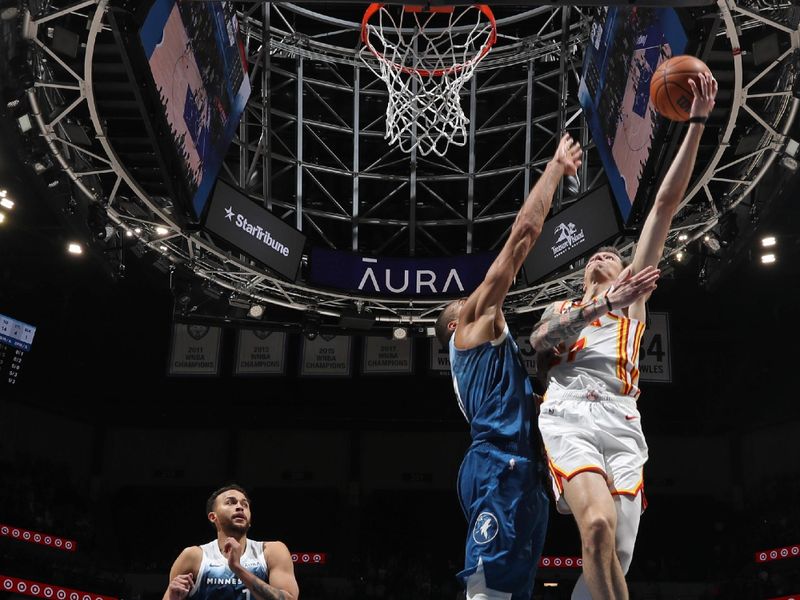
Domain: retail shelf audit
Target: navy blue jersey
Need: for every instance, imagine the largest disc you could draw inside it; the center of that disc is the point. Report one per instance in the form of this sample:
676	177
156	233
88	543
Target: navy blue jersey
215	580
494	391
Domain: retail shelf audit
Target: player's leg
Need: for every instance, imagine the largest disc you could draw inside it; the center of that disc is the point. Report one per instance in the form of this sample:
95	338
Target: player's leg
595	512
629	511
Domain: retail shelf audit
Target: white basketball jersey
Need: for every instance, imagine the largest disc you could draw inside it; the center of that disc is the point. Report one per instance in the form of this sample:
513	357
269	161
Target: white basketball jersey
606	351
215	580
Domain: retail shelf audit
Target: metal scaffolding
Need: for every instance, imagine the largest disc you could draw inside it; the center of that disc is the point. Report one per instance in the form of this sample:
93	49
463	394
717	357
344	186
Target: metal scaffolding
310	146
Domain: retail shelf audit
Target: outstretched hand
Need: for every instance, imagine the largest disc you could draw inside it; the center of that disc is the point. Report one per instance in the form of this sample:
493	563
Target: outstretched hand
628	288
568	155
704	95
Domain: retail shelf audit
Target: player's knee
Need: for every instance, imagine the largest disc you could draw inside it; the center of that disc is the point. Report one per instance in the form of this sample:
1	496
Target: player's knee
598	533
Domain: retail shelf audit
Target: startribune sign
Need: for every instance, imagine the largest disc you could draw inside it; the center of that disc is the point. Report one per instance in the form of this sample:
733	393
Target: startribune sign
255	231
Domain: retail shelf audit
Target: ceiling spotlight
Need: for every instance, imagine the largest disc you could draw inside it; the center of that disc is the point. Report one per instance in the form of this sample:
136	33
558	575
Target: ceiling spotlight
2	217
769	241
162	230
767	259
13	103
3	193
683	237
137	230
128	233
399	333
256	311
7	203
163	248
53	183
711	242
74	248
679	256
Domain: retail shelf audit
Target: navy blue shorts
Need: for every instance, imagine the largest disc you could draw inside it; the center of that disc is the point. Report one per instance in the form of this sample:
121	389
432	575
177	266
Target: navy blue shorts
504	499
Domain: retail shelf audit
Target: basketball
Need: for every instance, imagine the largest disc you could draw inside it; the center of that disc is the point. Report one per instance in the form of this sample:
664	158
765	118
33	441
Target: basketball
669	88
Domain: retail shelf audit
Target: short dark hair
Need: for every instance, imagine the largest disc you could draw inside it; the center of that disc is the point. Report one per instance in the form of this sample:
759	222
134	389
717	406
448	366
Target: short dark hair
443	333
225	488
612	250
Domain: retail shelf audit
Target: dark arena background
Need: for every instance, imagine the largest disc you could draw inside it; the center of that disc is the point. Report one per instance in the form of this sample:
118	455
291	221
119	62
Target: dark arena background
289	349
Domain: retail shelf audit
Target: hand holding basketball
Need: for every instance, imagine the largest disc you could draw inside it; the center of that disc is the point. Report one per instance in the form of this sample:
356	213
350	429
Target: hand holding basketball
675	85
704	95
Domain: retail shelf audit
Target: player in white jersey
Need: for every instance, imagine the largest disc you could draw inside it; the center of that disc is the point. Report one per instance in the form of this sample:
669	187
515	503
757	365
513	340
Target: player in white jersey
232	567
589	422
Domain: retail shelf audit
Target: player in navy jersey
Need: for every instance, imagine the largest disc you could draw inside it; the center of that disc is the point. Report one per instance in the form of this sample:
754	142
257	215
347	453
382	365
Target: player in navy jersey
501	482
232	567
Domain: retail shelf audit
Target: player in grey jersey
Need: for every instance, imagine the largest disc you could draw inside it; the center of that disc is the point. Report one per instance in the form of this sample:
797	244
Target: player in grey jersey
232	567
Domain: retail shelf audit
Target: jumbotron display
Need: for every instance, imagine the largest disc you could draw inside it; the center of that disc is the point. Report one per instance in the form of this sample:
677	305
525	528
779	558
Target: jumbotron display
199	69
625	48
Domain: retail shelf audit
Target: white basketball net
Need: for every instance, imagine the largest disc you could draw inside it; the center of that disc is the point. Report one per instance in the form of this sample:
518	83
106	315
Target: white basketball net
425	58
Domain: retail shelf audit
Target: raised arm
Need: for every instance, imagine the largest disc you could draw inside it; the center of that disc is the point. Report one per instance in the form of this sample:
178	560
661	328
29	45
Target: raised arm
481	317
556	327
673	188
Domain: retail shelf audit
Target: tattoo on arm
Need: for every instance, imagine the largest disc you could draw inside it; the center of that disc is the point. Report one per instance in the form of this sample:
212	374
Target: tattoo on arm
562	326
264	591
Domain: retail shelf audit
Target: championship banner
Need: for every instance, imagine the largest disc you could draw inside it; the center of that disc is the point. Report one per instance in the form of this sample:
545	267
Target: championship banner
326	356
260	352
384	356
440	357
195	350
654	352
45	590
35	537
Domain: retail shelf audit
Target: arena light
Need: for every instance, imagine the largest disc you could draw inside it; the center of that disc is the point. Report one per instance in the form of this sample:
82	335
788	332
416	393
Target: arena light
768	241
712	242
679	256
7	203
399	333
256	311
683	237
74	248
137	230
550	584
128	233
2	218
162	230
767	259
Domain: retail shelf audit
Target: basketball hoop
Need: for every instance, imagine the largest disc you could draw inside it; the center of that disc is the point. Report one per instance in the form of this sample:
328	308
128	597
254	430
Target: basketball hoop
425	56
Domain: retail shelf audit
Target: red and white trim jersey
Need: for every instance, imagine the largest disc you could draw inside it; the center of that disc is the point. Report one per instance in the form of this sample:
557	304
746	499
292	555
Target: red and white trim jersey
606	351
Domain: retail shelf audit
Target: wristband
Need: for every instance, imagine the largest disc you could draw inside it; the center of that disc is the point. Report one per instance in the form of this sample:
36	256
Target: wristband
698	120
